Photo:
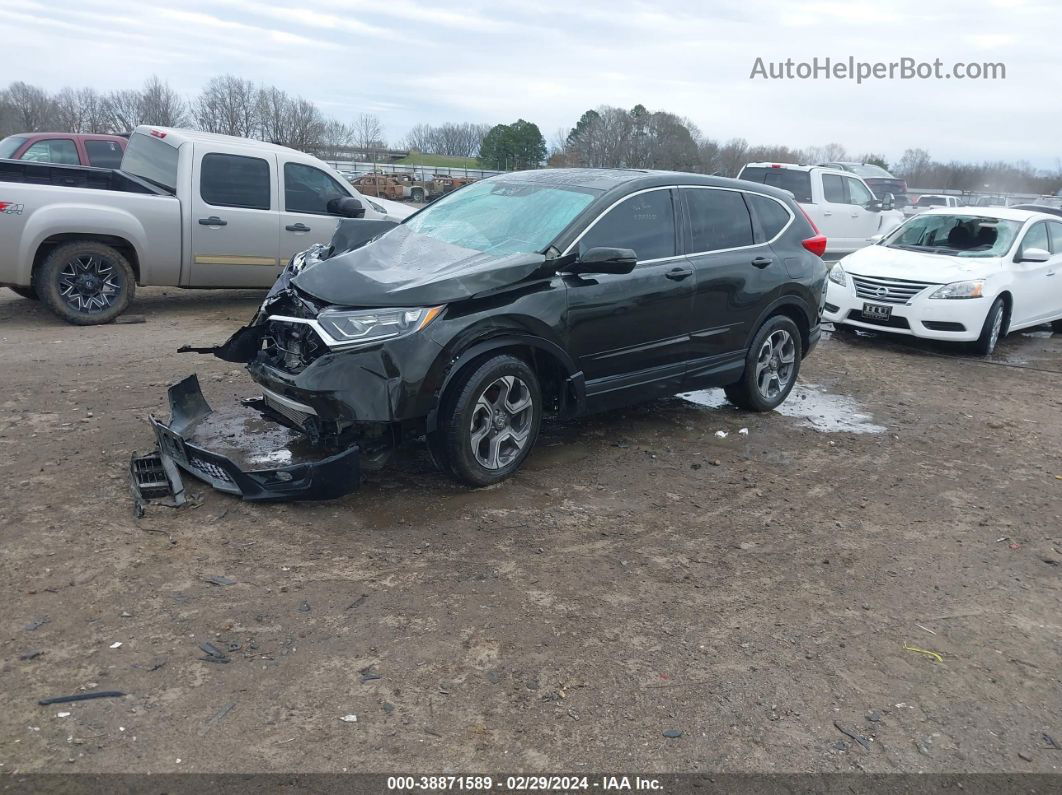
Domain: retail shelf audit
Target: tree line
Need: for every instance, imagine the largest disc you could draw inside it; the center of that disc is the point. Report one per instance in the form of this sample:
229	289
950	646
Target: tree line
603	137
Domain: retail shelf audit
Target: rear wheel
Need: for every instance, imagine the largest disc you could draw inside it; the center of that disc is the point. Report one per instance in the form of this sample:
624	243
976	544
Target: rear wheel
26	292
1056	325
85	282
771	367
992	329
488	421
417	195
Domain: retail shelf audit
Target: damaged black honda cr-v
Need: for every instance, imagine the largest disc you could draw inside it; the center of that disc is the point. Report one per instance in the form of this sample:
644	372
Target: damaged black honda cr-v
552	292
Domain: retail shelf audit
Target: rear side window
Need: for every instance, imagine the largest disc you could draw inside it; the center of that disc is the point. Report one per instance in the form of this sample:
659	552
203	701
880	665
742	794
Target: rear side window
719	219
833	189
59	150
104	154
235	181
773	216
796	182
644	223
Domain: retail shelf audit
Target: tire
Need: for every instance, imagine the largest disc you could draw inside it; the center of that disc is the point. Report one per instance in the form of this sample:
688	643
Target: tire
484	435
26	292
1056	326
417	195
85	282
771	366
992	329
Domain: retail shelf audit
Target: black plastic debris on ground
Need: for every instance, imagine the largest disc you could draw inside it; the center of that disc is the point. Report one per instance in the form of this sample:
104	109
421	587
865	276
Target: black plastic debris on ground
212	653
218	579
81	697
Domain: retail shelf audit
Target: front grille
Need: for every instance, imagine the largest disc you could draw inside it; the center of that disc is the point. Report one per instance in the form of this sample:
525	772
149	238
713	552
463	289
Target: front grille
892	322
209	468
889	291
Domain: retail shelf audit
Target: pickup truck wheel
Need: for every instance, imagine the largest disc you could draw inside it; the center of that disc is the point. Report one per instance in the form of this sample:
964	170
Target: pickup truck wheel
85	282
771	367
417	195
489	421
26	292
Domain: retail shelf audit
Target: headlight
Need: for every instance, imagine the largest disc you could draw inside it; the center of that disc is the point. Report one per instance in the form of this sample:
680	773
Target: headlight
363	326
838	276
971	289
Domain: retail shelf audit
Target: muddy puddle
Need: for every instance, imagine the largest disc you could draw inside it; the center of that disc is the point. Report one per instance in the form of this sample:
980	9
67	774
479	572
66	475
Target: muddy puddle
810	404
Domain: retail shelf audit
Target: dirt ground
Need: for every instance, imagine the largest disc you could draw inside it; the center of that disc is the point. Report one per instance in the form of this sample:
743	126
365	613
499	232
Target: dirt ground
640	576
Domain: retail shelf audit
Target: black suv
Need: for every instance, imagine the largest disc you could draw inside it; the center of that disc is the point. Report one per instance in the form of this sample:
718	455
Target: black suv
551	292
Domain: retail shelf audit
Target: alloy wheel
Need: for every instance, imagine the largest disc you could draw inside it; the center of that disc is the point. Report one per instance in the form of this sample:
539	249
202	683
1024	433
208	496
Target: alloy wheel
775	364
90	283
501	422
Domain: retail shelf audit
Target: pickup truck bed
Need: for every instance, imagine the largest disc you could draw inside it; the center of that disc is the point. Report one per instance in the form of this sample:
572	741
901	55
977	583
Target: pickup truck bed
32	173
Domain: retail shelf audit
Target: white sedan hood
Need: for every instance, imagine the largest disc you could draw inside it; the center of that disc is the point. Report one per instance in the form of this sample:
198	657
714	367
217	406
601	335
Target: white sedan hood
917	266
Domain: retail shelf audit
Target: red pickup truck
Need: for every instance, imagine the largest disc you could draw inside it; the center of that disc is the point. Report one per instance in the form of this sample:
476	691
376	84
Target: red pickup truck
68	149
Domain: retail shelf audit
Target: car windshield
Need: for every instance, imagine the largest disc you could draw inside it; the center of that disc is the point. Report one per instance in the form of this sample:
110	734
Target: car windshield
10	145
929	201
502	216
955	235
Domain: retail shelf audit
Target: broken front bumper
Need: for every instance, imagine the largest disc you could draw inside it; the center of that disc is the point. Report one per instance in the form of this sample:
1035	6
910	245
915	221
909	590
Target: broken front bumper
304	475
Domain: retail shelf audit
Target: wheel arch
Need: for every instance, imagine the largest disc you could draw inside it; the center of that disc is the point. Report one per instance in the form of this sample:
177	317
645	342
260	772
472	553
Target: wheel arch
560	378
795	309
1008	310
119	244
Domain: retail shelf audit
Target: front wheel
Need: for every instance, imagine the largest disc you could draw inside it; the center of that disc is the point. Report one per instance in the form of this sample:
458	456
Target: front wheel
85	282
992	329
489	421
771	367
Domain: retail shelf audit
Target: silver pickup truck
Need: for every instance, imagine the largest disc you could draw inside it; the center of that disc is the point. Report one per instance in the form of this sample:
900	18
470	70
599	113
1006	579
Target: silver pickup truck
184	209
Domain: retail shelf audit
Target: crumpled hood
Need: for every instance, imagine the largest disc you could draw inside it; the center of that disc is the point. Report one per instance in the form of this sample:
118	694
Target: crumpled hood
917	266
400	268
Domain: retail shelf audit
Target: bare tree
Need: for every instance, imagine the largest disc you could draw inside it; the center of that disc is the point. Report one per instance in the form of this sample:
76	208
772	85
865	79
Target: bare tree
161	105
34	110
367	135
123	110
228	105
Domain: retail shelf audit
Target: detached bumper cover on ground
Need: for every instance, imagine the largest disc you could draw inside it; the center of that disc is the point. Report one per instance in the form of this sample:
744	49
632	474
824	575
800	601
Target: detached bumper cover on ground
306	479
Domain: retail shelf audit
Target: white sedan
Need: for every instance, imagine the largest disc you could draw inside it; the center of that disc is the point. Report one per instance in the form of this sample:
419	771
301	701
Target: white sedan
967	275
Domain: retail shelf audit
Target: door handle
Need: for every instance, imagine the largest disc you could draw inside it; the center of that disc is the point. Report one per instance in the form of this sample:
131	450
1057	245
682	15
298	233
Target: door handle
1050	273
826	212
762	262
212	221
678	274
300	227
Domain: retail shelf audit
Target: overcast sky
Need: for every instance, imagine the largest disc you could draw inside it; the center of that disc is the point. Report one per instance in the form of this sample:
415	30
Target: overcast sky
547	61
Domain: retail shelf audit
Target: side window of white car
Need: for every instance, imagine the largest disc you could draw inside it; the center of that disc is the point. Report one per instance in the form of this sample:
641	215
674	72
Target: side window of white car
857	192
1036	237
1055	228
833	188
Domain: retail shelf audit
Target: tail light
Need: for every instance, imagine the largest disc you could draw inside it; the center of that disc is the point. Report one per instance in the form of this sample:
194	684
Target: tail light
816	244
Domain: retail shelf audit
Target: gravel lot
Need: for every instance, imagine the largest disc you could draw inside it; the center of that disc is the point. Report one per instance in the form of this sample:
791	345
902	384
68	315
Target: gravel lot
641	575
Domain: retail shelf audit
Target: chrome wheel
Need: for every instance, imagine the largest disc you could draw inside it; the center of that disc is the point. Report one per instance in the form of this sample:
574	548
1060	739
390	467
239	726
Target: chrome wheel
501	422
775	364
90	283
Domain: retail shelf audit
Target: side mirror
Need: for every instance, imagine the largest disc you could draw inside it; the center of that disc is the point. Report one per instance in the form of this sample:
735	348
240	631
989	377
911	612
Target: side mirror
605	260
888	201
875	239
874	205
1035	255
346	206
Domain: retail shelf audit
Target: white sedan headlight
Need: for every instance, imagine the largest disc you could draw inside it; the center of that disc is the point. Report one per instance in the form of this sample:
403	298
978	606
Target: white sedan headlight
971	289
838	276
364	326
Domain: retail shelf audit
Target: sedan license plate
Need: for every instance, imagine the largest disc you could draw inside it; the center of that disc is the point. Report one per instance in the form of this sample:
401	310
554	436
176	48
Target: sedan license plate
876	312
